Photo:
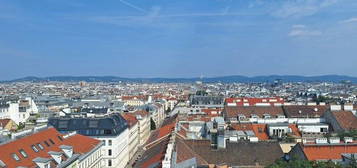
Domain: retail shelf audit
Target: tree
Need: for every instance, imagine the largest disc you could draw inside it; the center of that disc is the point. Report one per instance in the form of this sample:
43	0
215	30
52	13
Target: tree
351	133
152	124
298	163
168	110
20	126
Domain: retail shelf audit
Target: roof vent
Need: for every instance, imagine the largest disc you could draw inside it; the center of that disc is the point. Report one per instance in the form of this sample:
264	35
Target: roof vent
300	111
316	109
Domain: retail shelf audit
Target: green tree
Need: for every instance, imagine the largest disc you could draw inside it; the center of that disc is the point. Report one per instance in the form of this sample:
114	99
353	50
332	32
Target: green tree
297	163
152	124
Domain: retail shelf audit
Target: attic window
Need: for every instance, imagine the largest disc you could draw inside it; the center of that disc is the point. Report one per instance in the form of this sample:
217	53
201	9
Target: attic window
40	146
47	144
93	124
60	138
23	153
107	131
34	148
51	141
15	156
267	116
62	124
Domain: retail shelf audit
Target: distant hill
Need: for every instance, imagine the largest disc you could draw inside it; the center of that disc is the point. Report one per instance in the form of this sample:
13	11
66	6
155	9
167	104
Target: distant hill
224	79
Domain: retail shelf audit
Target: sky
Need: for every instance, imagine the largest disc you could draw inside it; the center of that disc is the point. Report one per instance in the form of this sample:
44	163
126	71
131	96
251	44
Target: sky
177	38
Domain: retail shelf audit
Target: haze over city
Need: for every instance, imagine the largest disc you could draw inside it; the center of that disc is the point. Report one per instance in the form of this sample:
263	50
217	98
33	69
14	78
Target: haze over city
178	84
160	38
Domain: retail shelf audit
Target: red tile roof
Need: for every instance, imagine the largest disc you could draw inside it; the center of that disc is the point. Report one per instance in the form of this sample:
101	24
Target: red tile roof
213	112
4	122
142	113
260	130
154	154
327	152
81	144
247	111
346	119
253	101
130	119
295	130
298	111
167	127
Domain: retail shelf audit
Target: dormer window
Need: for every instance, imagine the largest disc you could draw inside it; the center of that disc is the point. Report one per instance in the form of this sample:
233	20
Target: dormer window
267	116
15	156
40	146
254	116
241	117
47	144
23	153
34	148
281	116
51	141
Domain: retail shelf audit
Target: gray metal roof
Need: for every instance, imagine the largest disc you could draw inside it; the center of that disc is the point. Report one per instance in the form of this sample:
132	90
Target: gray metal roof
42	160
110	125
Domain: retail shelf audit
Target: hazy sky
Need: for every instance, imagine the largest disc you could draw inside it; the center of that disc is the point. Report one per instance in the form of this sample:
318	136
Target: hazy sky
177	38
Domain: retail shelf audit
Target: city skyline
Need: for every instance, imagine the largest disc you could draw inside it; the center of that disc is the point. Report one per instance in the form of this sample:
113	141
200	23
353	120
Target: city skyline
158	38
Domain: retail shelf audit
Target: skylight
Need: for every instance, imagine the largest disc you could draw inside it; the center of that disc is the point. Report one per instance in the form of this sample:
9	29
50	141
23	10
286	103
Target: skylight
23	153
34	148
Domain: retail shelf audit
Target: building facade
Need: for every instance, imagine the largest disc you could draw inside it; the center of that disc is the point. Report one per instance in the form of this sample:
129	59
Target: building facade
111	129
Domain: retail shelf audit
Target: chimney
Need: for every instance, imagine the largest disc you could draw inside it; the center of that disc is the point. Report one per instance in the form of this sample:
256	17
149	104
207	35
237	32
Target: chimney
68	150
221	141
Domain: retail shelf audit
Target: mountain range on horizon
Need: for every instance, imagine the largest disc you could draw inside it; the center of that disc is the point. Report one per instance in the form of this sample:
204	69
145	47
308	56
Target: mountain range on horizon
224	79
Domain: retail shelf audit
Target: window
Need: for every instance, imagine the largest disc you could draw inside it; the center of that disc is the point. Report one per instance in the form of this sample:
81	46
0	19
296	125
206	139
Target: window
110	152
93	124
62	124
107	131
60	138
51	141
104	142
47	165
47	144
110	142
23	153
109	162
34	148
40	146
15	157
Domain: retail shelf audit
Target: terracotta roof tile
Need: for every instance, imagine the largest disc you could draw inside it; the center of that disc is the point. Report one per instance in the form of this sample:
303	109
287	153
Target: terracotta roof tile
327	152
80	144
346	119
298	111
130	118
247	111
